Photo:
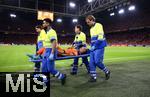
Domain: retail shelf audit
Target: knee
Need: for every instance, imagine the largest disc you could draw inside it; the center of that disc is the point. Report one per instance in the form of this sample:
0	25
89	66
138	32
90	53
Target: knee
97	62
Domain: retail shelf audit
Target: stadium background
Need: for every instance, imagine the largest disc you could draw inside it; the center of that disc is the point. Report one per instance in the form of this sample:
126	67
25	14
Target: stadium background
135	22
127	56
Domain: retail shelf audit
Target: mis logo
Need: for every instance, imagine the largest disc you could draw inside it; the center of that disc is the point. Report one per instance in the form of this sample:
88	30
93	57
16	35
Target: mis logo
24	84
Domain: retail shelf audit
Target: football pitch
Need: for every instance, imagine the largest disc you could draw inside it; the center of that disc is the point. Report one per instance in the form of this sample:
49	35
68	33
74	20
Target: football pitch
130	72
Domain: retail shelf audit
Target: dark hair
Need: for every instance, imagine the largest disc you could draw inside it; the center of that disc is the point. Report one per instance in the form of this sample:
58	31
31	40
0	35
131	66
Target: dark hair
39	26
79	27
80	46
91	17
48	20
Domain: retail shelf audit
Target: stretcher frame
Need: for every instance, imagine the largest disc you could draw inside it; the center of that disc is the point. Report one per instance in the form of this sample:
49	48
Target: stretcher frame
63	58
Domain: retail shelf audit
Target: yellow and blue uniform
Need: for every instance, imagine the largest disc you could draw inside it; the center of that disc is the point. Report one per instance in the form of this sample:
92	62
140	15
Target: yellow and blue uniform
40	39
47	64
80	39
39	45
97	36
50	36
98	43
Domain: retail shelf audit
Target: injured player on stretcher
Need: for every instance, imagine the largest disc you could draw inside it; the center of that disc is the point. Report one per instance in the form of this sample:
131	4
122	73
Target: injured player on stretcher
71	51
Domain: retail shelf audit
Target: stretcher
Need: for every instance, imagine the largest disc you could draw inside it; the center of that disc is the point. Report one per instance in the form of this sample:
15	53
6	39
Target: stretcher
38	59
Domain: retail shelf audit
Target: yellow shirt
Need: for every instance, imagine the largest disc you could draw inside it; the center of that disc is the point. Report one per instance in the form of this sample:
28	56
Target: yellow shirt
80	38
42	36
40	39
50	35
97	32
97	36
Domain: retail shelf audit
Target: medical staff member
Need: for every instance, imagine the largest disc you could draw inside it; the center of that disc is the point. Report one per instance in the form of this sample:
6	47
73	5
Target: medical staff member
80	39
98	44
50	42
41	36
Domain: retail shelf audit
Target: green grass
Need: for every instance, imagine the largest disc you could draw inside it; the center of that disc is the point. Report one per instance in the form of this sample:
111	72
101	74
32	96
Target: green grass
130	72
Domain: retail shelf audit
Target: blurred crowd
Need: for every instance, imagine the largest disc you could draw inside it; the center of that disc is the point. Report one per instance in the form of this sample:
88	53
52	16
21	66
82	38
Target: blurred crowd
128	38
125	38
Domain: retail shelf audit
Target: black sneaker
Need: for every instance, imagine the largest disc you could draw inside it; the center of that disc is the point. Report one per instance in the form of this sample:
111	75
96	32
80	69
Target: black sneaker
107	75
73	73
71	65
81	64
63	81
92	79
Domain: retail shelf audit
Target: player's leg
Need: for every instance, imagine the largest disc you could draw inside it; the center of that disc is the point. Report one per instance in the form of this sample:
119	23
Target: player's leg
92	68
74	68
44	62
86	62
37	64
99	54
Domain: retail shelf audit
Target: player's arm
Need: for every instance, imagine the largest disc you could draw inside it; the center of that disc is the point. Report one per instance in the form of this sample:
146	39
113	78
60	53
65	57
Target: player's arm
53	40
54	44
73	44
100	31
84	39
40	44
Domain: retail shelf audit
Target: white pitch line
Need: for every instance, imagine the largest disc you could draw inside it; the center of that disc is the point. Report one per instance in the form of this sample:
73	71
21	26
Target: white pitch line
125	57
29	65
109	59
